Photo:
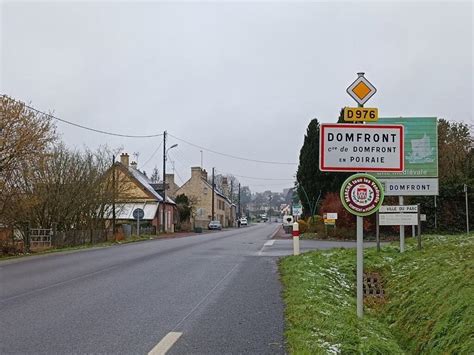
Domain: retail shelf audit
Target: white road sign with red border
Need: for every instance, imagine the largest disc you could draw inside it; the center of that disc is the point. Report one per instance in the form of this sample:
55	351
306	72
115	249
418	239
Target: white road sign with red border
361	148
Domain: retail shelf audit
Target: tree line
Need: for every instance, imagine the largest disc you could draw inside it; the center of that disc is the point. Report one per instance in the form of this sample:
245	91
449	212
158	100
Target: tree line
45	184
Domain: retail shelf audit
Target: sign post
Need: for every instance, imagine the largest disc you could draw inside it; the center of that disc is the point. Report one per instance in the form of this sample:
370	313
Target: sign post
361	195
138	214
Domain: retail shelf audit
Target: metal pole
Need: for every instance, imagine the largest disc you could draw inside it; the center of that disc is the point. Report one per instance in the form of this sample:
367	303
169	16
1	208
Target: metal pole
377	230
467	209
402	229
113	198
360	258
436	214
213	188
201	158
419	227
163	215
138	225
360	266
240	215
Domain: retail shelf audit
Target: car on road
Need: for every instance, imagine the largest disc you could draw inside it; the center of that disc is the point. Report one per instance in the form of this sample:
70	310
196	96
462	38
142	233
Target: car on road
243	221
215	225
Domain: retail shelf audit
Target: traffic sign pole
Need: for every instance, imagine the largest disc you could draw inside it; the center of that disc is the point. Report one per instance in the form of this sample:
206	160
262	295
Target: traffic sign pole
402	229
138	225
360	266
360	256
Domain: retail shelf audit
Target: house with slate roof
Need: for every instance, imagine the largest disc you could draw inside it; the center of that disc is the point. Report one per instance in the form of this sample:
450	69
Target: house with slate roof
137	191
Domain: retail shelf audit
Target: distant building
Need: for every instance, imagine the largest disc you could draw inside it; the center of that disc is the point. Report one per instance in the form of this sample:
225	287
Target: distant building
198	189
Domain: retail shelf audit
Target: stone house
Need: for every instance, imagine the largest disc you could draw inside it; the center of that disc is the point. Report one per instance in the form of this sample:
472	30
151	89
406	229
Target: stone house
135	190
198	189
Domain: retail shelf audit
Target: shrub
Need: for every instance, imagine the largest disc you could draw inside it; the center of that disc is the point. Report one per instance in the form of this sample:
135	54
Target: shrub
303	226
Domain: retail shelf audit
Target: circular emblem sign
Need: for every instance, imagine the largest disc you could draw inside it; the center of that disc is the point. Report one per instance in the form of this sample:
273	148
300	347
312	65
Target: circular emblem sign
361	194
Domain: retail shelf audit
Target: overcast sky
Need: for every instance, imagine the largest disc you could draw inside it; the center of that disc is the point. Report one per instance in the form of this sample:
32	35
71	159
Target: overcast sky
242	78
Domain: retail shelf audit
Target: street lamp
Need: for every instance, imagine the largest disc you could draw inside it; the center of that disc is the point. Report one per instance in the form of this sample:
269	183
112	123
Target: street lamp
165	154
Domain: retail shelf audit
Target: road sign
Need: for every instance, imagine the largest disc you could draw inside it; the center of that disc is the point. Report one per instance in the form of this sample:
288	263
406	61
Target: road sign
330	215
138	213
297	210
329	221
410	187
361	114
398	219
361	90
399	209
361	194
356	147
420	144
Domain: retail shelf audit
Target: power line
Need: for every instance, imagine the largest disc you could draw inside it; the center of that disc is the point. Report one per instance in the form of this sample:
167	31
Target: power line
232	156
260	178
85	127
153	154
176	170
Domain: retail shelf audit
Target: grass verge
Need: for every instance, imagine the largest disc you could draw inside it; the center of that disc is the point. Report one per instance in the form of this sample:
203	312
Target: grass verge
428	306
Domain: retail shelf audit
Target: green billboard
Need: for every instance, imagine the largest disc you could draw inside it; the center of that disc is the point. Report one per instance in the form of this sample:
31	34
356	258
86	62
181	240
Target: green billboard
421	146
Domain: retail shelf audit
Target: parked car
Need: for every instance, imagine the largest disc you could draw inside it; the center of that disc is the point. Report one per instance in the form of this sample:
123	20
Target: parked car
243	221
215	225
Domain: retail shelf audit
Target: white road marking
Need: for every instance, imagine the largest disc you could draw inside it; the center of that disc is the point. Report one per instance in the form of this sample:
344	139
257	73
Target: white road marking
165	344
268	243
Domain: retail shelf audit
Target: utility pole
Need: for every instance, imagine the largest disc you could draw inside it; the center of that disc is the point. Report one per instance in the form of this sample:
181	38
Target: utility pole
213	188
240	215
163	216
113	196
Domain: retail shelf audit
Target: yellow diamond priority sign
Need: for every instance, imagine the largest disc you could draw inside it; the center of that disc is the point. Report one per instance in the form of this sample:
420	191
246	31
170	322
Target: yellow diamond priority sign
361	90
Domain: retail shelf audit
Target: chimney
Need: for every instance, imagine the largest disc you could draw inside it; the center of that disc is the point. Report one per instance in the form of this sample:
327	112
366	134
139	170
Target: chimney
196	172
169	179
133	165
124	159
204	174
225	186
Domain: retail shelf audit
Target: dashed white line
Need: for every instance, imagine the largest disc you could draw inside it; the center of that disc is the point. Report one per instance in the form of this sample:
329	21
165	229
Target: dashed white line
165	344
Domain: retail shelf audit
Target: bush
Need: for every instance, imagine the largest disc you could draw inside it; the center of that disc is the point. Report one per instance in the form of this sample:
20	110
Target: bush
303	226
8	249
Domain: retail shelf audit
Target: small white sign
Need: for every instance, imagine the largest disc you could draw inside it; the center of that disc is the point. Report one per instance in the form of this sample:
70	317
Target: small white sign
297	210
357	147
410	187
398	219
423	217
399	209
331	215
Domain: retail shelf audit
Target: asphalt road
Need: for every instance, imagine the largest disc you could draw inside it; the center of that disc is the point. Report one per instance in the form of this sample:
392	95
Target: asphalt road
215	293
